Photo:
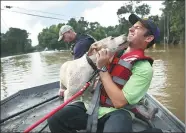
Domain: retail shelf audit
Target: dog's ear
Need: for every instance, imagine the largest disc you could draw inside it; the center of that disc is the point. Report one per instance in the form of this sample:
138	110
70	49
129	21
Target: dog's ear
92	49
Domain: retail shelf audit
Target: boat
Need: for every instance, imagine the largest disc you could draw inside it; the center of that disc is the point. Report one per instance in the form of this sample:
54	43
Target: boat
27	106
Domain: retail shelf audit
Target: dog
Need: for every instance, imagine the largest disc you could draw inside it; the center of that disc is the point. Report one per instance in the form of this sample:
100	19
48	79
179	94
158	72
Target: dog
74	74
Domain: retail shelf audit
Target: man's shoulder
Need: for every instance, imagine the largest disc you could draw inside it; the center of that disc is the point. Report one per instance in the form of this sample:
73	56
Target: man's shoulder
84	37
143	63
84	41
143	67
81	46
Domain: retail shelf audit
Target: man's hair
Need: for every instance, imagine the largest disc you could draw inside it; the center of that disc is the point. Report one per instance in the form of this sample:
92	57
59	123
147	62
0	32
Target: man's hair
148	33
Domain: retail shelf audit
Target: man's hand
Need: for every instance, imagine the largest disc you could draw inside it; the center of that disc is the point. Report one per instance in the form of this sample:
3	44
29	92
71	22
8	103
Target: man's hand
112	90
103	57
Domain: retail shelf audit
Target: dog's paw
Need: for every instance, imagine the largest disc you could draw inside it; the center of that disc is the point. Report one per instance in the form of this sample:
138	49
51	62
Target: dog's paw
61	92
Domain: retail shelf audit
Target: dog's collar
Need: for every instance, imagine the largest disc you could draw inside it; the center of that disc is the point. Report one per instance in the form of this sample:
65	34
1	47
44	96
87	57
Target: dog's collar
91	63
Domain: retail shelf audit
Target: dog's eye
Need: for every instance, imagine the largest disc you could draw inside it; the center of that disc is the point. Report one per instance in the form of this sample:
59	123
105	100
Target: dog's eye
112	38
121	44
95	45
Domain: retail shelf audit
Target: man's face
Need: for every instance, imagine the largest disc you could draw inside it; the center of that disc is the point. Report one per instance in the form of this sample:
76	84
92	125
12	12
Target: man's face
67	37
136	34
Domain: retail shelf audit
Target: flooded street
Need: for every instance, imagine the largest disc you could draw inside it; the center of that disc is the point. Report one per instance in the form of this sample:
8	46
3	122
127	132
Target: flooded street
29	70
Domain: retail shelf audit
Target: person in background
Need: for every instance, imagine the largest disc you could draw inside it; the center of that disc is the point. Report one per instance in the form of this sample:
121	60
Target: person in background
81	42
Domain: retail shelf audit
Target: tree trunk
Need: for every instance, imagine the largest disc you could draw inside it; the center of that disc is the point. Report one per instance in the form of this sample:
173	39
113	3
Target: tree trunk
173	40
167	28
164	38
181	41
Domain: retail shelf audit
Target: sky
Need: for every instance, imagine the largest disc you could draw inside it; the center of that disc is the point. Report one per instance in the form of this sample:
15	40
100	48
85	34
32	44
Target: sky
103	12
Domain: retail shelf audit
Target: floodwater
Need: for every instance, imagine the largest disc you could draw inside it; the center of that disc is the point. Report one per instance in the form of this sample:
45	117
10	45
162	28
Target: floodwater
29	70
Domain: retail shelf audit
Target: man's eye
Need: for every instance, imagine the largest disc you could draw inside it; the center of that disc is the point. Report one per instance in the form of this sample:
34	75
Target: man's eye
137	27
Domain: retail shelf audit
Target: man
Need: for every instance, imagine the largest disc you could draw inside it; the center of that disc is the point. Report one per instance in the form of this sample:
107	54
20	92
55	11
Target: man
81	44
135	83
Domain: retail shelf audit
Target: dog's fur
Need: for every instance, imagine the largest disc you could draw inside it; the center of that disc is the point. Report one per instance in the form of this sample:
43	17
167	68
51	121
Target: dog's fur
74	74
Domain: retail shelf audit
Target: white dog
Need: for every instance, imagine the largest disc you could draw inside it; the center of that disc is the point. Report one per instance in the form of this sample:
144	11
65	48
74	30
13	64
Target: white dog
74	74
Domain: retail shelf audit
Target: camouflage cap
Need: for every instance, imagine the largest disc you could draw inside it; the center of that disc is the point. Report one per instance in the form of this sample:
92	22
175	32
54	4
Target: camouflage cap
64	29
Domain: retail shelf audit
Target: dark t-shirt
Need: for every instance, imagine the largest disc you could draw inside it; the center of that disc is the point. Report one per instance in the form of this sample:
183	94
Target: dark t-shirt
82	45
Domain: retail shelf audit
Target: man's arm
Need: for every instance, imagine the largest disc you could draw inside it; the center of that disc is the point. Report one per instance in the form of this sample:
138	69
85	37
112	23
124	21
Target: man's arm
139	82
112	90
134	89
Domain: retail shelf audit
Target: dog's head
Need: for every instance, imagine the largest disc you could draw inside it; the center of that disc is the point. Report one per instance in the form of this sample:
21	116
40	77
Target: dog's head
114	44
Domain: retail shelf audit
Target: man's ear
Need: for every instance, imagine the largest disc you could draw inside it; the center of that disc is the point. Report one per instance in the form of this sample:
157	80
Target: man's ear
149	38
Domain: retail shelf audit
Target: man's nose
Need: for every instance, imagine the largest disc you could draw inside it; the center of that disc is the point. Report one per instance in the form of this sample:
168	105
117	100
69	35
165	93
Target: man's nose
131	29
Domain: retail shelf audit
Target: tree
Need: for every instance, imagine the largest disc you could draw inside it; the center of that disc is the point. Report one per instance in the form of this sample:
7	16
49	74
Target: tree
173	15
133	7
72	22
82	25
130	7
143	10
15	41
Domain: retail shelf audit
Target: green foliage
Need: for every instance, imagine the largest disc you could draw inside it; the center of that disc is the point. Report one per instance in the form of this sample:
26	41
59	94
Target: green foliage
174	17
143	10
15	41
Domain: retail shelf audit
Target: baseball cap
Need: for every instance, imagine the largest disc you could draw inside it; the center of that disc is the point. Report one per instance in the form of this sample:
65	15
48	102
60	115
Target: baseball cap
64	29
149	24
